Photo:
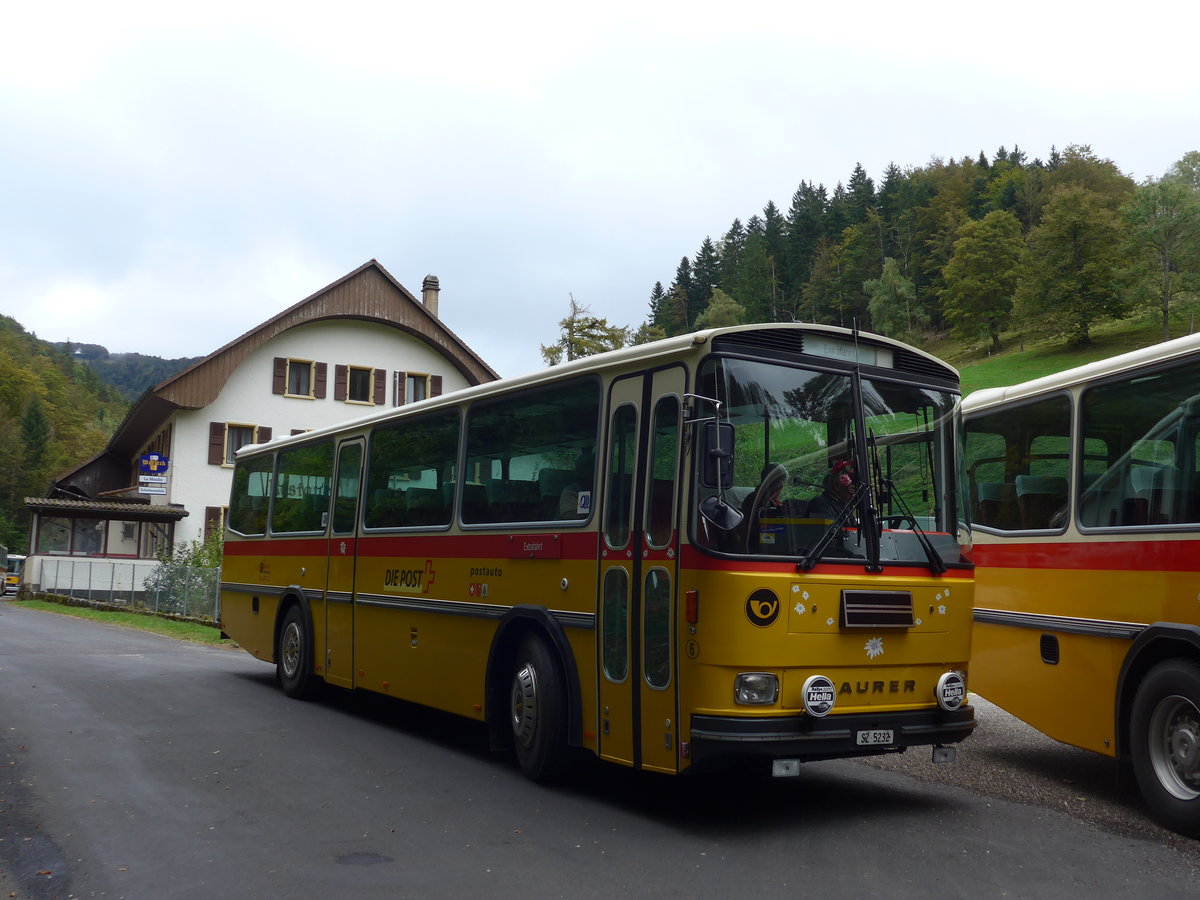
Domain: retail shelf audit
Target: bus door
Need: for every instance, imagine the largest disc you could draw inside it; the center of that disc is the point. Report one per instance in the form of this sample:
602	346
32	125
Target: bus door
339	589
639	546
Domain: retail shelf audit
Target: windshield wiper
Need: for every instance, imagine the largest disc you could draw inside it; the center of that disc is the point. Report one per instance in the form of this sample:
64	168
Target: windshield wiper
833	529
936	563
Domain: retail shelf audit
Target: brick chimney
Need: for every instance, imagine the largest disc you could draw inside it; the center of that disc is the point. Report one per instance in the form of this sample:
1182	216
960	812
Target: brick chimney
429	294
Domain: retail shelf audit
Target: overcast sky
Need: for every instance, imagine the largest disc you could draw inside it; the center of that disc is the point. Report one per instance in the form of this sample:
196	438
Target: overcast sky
175	174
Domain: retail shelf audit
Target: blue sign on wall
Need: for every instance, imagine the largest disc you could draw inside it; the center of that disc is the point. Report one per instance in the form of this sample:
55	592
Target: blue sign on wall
153	464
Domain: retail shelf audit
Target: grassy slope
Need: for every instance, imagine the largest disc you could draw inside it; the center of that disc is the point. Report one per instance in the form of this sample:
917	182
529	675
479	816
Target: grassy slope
1023	358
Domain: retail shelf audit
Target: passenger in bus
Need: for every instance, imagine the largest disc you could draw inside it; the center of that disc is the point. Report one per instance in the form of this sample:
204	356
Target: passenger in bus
575	502
837	489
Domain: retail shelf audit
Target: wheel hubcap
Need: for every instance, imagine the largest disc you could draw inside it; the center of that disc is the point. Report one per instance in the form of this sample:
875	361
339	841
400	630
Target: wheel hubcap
1175	746
290	652
524	704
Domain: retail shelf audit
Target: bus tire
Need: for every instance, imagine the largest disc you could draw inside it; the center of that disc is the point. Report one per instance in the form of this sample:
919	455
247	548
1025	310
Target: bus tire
538	711
293	661
1165	744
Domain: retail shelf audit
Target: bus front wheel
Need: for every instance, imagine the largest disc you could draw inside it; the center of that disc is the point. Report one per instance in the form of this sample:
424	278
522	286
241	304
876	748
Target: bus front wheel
537	711
1165	744
293	661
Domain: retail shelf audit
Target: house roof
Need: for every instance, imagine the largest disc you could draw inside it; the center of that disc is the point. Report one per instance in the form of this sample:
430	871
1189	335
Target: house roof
369	293
142	512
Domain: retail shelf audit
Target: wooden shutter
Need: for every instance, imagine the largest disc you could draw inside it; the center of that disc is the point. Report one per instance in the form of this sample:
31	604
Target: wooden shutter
262	434
401	387
340	376
380	387
212	521
279	376
216	443
435	385
322	374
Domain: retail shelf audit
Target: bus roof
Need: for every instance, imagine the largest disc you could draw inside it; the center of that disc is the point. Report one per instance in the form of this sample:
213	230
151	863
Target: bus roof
1092	371
647	353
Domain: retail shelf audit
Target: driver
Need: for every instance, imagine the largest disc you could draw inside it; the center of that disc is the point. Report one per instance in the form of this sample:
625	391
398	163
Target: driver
837	489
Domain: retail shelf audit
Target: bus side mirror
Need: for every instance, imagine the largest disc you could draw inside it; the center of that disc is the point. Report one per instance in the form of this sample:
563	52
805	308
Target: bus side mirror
716	456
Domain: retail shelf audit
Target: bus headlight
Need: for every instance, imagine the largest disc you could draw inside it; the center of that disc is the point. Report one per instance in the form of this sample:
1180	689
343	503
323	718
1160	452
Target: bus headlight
755	688
951	691
818	695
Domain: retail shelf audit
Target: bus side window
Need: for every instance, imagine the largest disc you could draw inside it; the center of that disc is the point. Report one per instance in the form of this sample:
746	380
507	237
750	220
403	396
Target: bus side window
1018	465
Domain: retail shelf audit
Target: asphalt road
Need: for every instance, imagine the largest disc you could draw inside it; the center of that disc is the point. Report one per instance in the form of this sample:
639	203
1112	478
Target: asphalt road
136	766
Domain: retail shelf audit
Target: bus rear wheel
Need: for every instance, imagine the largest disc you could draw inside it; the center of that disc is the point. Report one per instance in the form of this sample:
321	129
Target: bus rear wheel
537	711
1165	744
293	660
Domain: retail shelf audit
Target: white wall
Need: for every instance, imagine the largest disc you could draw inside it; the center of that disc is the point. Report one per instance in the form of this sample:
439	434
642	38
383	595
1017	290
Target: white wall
247	399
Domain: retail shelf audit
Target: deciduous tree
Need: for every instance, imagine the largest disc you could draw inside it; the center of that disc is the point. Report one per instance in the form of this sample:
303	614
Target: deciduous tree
722	310
1164	239
981	276
1070	271
892	302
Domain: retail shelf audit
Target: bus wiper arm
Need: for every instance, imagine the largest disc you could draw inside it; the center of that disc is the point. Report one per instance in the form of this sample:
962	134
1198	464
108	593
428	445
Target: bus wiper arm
833	529
936	563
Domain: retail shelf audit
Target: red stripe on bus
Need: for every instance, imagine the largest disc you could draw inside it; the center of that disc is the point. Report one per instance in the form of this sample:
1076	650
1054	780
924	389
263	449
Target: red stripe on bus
1140	556
540	545
694	559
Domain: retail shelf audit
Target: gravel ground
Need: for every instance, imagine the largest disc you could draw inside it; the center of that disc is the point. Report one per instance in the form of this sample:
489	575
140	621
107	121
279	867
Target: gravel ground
1008	760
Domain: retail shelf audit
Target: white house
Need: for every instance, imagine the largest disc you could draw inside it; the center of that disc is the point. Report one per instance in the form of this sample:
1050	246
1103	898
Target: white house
360	343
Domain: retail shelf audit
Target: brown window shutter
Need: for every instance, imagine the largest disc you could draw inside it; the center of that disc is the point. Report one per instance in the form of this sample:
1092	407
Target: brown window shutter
435	385
380	387
216	443
401	387
279	376
262	434
212	521
322	374
340	376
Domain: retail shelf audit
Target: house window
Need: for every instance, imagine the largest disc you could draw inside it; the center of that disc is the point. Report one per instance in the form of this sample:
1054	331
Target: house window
299	378
237	437
416	387
226	438
360	385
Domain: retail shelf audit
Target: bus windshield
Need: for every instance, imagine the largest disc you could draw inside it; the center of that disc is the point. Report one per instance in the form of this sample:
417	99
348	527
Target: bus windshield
804	485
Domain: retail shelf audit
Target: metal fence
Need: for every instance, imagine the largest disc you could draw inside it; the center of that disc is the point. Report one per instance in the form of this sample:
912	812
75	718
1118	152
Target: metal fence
188	591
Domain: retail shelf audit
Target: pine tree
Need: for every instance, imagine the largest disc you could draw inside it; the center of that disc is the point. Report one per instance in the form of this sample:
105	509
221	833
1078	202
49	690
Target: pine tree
860	195
35	433
682	313
706	275
583	334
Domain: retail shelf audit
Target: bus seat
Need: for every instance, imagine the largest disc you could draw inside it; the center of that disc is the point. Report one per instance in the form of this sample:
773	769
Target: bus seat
474	503
551	483
1040	498
998	505
387	508
1142	479
1169	503
514	501
426	507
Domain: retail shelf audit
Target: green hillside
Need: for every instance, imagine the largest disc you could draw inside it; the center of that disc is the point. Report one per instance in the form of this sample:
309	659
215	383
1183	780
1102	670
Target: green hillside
55	413
1023	357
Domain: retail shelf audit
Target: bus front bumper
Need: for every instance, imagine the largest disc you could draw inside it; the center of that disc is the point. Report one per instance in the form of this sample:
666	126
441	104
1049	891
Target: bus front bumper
717	740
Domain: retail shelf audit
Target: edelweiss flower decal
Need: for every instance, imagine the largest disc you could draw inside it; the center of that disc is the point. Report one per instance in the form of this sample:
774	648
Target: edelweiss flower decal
874	647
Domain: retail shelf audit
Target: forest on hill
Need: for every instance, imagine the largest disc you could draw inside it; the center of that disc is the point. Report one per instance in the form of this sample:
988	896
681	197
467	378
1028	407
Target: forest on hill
55	412
976	248
129	373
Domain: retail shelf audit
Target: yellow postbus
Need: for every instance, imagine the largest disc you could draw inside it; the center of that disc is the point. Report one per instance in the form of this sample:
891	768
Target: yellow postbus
629	554
15	562
1085	498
